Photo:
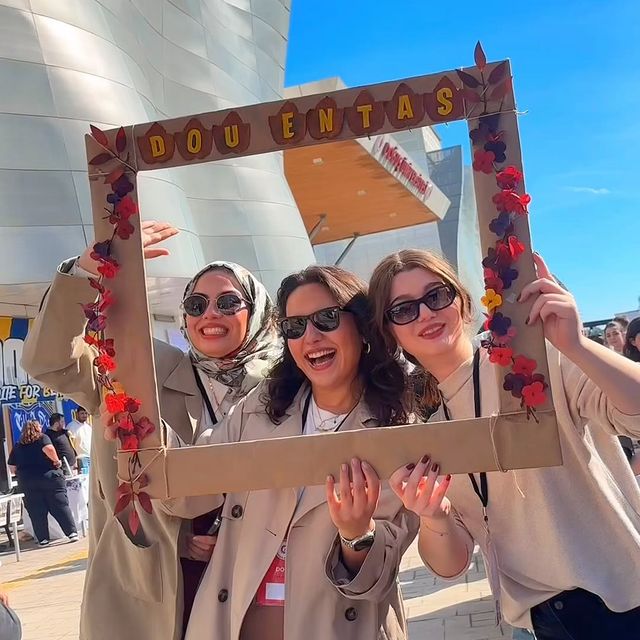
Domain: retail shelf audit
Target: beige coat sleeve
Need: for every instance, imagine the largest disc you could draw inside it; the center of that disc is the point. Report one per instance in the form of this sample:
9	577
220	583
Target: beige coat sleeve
55	353
396	529
589	404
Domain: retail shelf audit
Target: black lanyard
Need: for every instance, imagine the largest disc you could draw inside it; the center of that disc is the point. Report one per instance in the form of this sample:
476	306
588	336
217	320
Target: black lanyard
205	396
305	412
482	490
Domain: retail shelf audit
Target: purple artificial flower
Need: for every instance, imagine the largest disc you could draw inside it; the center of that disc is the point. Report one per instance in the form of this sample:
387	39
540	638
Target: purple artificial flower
515	383
502	224
498	147
499	324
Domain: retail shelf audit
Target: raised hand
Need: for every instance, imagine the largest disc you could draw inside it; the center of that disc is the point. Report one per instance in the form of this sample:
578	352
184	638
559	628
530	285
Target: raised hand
554	307
418	487
359	489
153	233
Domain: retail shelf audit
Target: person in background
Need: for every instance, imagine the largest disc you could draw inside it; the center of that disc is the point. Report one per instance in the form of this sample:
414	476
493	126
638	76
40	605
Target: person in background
632	341
10	627
614	334
631	350
61	440
36	463
80	430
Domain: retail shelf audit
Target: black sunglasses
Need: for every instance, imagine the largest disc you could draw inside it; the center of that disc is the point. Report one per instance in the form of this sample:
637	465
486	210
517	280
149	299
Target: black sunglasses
228	304
324	320
436	299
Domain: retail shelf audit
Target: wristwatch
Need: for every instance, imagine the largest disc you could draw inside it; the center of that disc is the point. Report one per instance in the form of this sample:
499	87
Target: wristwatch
361	543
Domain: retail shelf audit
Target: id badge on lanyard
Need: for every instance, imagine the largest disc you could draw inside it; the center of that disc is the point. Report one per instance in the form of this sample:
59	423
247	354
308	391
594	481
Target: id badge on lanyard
271	590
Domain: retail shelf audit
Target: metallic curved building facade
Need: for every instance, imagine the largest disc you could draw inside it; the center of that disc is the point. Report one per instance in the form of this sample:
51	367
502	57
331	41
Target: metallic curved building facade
67	63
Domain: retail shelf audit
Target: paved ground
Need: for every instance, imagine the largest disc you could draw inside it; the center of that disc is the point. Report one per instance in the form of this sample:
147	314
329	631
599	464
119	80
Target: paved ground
45	588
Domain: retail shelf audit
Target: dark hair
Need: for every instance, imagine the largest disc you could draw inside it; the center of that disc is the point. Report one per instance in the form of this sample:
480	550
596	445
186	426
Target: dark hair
382	376
422	383
81	409
54	417
622	321
31	432
630	350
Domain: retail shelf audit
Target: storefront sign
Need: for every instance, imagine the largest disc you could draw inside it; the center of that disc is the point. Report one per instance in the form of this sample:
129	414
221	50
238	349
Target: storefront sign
393	158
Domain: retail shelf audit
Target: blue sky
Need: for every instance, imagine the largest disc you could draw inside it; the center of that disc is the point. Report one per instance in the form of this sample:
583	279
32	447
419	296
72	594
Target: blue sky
576	74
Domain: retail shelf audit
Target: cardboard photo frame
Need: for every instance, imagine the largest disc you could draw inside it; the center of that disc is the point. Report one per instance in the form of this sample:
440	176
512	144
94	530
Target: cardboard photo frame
523	434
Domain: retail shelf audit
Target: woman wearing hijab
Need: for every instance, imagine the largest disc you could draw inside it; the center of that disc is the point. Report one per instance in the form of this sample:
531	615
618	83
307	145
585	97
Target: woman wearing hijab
228	322
133	585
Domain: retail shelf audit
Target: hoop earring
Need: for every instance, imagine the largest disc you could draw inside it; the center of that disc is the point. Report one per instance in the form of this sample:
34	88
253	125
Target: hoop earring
367	348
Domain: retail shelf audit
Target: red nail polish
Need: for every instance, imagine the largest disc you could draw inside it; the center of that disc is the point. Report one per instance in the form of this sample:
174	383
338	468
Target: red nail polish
436	468
425	459
410	466
448	477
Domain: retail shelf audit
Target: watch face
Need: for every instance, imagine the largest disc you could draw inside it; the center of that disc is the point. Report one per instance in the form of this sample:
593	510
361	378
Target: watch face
363	544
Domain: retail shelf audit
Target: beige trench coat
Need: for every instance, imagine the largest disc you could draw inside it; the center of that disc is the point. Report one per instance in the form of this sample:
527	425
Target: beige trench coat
322	600
132	591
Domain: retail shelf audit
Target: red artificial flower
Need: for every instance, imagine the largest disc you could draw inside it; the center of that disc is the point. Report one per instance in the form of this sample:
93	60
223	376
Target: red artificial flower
501	356
515	247
130	443
533	394
524	366
106	346
494	282
115	402
105	363
144	427
126	207
124	229
483	161
509	178
132	404
503	255
125	422
511	202
106	300
91	341
109	269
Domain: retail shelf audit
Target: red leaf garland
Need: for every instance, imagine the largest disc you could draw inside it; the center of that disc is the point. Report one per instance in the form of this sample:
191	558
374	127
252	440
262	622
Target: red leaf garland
99	136
101	158
145	501
123	502
497	73
121	140
467	79
134	522
479	56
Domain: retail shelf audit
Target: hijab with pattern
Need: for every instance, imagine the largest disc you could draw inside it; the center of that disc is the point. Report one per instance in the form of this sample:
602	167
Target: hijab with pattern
260	347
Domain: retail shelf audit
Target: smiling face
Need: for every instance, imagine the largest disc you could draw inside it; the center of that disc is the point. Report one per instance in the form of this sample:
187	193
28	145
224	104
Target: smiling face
434	334
329	359
614	337
214	334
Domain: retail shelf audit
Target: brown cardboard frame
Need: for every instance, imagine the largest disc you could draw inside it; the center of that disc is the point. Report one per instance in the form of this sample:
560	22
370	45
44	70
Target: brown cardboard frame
508	441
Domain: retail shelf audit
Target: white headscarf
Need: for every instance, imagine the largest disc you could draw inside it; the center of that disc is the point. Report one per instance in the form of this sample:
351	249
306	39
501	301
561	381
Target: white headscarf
261	345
